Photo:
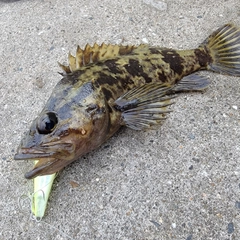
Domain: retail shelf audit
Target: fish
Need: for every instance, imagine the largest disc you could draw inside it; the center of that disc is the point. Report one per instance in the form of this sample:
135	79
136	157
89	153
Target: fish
105	87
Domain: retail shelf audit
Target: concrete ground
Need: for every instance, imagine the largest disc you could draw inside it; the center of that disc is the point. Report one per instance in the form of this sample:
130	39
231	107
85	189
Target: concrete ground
181	181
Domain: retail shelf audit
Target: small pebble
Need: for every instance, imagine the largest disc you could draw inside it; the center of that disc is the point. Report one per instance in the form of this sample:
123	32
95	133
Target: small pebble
196	159
230	228
191	136
145	40
237	204
156	4
155	223
189	237
234	107
204	173
74	184
41	32
39	82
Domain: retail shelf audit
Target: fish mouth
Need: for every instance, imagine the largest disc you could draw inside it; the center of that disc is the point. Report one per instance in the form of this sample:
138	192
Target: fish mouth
46	167
29	156
51	159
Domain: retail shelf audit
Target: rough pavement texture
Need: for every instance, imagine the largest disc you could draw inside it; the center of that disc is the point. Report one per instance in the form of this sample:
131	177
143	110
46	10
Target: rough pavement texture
181	181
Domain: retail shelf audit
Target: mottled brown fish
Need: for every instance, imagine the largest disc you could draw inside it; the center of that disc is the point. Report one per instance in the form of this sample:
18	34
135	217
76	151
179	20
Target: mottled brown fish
108	86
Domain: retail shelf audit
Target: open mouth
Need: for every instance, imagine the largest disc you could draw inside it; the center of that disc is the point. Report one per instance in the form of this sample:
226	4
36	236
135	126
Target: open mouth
49	162
45	167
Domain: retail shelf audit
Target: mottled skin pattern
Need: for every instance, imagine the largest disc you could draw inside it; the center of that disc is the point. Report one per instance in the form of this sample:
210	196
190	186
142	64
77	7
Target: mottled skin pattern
82	112
84	102
143	65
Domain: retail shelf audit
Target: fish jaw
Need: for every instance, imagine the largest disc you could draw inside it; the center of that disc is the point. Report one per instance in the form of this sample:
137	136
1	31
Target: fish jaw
51	159
47	167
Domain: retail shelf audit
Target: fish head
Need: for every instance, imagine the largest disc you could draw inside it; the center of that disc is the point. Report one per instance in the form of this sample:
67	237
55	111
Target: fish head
63	133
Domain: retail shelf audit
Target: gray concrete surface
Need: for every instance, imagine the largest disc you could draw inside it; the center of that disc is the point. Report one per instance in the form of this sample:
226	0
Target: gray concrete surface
181	181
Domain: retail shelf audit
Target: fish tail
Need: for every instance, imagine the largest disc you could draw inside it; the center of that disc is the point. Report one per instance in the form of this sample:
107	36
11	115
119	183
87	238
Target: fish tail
223	47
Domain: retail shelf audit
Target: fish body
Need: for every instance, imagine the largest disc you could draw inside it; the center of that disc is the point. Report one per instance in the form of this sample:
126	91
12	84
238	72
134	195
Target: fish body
109	86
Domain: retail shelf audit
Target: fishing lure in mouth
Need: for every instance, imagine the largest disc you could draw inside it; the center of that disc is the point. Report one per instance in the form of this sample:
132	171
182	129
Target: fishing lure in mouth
108	86
42	190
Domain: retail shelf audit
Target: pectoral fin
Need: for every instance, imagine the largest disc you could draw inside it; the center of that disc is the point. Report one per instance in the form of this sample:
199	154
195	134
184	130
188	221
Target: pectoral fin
145	106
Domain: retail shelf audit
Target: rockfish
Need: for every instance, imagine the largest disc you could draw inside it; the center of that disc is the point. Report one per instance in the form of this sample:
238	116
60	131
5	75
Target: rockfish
108	86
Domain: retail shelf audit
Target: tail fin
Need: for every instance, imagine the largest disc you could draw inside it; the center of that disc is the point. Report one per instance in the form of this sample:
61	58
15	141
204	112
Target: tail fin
224	47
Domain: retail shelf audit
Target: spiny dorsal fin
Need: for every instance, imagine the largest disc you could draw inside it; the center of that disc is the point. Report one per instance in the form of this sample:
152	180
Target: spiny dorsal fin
95	53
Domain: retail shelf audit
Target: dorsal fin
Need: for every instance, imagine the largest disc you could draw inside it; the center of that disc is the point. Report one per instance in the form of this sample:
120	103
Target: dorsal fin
94	54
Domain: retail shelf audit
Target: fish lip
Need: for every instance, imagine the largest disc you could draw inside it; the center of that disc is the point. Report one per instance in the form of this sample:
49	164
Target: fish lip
51	158
26	156
45	151
35	172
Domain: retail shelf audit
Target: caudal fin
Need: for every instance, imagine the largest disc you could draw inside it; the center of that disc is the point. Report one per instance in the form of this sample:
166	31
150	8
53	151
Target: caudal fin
224	47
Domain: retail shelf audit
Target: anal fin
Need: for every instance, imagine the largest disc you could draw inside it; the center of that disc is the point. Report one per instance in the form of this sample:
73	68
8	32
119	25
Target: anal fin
192	82
145	106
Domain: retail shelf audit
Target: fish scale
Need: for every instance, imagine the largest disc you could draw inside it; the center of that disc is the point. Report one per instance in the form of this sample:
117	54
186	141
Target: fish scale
142	65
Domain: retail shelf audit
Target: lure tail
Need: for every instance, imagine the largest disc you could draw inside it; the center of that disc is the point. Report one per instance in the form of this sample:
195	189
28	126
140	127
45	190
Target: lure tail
224	48
42	190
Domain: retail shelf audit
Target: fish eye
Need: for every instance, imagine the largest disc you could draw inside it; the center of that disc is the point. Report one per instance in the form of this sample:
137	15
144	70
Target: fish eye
47	123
